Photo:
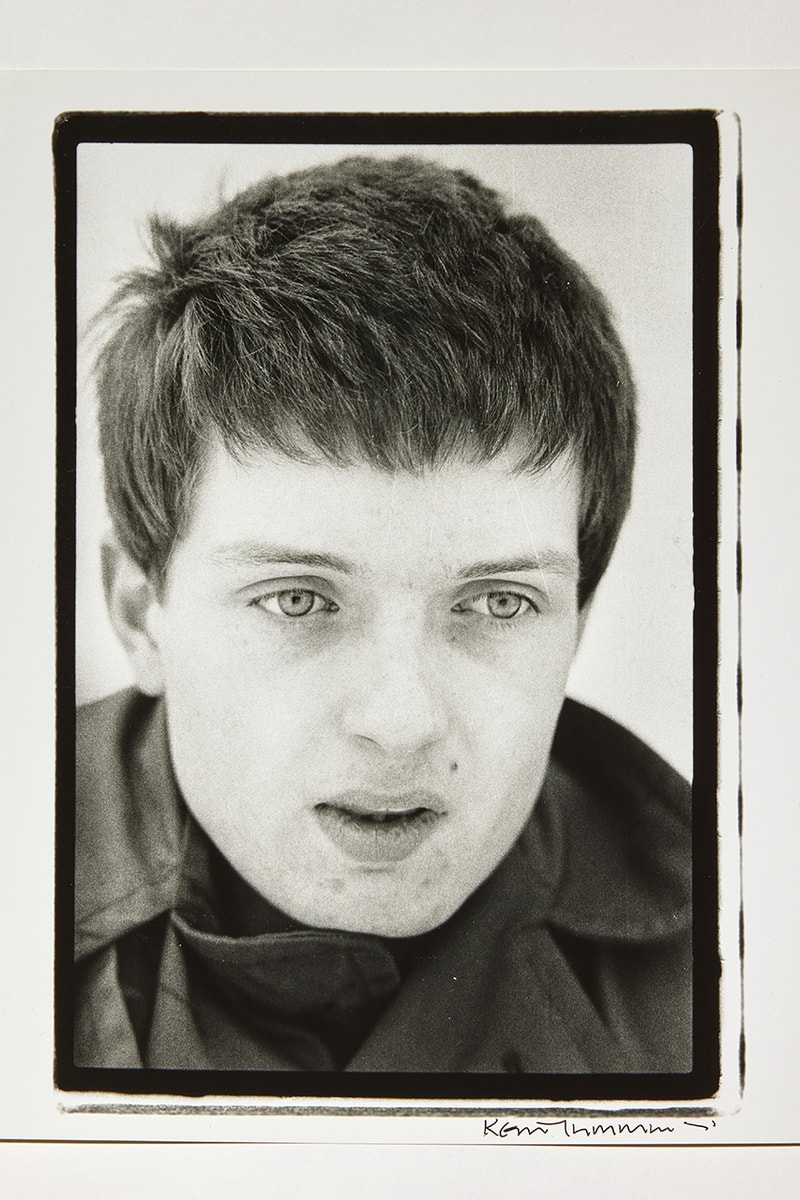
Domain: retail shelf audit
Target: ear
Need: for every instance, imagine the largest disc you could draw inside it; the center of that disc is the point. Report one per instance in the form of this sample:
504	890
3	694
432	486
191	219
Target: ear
134	609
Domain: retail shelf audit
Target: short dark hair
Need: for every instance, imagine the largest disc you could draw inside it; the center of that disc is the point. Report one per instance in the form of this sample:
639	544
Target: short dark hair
392	312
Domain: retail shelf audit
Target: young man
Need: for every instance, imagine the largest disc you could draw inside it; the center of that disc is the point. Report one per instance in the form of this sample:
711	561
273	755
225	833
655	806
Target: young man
368	442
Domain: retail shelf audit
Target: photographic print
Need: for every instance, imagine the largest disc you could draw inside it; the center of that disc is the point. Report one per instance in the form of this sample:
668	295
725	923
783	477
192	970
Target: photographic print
387	567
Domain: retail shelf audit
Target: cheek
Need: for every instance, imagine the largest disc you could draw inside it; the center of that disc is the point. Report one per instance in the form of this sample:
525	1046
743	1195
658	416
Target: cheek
221	666
250	732
515	700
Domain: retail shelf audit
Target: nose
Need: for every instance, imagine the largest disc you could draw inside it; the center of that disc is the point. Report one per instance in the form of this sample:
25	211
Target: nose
394	697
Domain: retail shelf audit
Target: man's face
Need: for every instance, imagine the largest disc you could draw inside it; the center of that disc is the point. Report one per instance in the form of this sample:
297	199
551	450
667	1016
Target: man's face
363	673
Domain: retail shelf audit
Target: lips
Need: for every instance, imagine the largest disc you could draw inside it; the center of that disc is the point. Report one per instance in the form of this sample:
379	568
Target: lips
382	817
374	828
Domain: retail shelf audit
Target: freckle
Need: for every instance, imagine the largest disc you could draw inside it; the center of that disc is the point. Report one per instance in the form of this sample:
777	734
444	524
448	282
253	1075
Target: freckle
453	767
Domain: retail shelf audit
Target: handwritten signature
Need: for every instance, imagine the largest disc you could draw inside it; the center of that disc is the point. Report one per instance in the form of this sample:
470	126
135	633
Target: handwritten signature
496	1127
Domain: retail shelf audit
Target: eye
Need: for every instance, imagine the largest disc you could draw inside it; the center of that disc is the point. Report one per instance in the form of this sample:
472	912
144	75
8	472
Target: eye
295	602
502	605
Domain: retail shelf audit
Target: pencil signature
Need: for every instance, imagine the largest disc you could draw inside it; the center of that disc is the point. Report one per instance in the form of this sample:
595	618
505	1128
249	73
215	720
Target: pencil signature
496	1127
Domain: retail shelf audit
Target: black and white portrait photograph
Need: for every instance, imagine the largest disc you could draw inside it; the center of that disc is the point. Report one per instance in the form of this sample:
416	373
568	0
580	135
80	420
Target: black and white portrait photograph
394	606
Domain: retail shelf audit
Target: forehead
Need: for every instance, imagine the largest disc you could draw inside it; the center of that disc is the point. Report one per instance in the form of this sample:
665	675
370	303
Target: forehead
373	517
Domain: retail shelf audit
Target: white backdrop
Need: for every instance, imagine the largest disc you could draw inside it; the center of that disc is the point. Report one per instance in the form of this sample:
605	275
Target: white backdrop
624	212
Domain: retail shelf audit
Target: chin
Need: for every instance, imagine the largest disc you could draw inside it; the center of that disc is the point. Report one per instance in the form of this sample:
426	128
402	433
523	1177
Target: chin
392	925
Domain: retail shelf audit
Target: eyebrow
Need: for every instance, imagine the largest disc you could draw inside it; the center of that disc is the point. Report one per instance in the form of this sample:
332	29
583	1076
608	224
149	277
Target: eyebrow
259	554
551	562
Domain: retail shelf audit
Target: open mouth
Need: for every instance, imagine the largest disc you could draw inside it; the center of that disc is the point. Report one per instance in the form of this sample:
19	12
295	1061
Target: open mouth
385	817
382	835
